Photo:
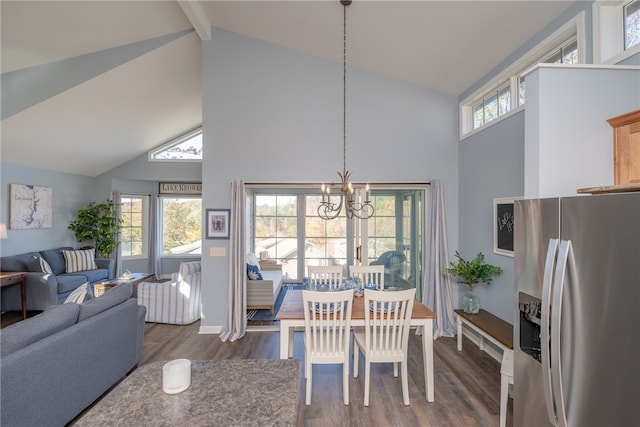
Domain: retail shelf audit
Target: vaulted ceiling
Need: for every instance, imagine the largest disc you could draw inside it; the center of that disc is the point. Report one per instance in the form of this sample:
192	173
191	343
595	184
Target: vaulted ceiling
123	109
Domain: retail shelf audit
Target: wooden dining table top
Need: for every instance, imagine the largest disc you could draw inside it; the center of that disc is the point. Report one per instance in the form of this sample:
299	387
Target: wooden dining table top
292	308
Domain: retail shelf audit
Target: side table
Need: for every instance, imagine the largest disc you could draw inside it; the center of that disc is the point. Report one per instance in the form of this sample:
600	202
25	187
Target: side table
10	279
135	278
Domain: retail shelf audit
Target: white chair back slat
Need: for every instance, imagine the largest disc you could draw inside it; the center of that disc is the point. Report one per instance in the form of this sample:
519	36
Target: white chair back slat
368	274
329	275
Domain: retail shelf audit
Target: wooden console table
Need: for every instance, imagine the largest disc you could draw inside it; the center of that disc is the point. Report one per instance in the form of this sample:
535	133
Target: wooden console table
499	333
10	279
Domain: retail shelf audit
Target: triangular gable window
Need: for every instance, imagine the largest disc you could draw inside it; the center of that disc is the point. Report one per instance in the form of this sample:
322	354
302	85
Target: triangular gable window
187	148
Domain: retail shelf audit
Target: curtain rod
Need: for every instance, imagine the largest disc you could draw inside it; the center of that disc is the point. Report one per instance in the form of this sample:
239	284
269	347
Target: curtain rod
317	184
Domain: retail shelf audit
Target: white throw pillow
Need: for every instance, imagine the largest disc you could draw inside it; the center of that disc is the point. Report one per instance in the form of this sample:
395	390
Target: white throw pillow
252	259
80	260
81	294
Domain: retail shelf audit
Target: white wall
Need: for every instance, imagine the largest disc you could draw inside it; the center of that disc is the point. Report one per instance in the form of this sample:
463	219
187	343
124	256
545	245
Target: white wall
568	142
274	115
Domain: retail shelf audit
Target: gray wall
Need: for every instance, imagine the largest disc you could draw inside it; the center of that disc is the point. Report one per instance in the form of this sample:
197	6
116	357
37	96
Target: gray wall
491	166
70	192
274	115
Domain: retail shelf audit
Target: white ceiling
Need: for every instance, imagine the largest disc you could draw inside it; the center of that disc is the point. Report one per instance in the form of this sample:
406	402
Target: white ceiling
124	112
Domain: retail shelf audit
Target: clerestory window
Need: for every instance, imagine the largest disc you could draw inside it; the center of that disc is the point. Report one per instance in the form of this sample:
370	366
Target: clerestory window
506	93
616	30
187	147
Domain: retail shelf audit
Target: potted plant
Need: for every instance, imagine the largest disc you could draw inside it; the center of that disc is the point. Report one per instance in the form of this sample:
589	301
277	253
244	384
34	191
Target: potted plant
469	273
99	224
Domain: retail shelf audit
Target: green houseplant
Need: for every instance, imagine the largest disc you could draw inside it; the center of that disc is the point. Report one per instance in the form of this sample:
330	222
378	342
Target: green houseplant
469	273
98	224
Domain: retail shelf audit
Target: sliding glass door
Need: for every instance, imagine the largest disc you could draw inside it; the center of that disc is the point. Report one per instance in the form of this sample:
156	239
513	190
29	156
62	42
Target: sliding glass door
285	227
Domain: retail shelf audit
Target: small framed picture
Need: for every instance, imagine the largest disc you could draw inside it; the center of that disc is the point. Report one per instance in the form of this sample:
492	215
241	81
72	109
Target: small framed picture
217	223
503	225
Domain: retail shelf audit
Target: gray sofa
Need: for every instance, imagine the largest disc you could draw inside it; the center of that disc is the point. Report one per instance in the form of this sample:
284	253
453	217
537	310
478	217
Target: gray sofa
44	289
56	364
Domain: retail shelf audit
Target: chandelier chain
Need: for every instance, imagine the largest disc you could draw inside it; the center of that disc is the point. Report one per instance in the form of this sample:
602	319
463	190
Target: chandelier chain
328	209
344	88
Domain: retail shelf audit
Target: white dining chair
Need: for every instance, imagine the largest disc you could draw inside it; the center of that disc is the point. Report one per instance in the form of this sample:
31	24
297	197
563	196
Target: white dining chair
329	275
327	331
368	274
385	337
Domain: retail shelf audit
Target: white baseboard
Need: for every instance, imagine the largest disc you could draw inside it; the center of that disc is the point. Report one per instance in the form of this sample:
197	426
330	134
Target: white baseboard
210	329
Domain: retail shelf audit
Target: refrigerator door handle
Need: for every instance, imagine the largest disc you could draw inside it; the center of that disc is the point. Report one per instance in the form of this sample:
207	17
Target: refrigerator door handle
565	259
549	267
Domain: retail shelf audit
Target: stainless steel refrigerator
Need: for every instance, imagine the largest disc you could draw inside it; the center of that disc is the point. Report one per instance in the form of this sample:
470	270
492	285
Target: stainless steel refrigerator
577	315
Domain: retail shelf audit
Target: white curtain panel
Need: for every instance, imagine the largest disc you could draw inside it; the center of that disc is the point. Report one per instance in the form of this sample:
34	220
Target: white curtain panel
154	236
115	253
235	325
436	294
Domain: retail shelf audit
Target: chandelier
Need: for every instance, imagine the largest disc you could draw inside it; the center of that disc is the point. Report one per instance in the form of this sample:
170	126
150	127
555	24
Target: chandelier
329	209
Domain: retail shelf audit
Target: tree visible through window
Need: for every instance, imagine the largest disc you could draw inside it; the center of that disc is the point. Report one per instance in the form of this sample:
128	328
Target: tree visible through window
632	24
181	225
133	233
187	147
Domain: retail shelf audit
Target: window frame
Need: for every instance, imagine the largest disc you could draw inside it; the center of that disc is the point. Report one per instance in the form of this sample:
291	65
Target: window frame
355	229
573	29
144	226
172	143
609	33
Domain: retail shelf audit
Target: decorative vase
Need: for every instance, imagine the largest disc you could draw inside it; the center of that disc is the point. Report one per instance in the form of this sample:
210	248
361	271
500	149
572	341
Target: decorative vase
470	302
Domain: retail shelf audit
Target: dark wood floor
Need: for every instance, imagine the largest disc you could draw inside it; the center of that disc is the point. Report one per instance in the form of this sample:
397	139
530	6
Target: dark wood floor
467	383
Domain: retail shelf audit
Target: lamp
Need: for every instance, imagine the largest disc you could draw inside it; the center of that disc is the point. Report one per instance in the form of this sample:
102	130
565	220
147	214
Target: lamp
3	231
327	208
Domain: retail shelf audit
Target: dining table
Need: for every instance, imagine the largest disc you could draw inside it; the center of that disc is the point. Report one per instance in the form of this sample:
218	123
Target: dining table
291	316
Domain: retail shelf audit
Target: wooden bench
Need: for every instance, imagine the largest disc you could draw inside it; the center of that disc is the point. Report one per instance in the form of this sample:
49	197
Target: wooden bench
500	333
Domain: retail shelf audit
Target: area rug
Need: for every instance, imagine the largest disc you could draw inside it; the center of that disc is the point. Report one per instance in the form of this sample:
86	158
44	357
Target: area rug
265	315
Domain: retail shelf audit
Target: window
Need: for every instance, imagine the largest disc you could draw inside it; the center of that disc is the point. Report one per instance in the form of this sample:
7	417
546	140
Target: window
616	30
565	53
134	211
276	227
632	24
187	147
181	225
325	241
504	94
491	107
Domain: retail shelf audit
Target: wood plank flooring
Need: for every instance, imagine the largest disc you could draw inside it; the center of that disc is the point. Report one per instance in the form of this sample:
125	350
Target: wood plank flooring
467	383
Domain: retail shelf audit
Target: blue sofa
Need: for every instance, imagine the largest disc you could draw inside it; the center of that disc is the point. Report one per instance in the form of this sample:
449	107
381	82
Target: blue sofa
56	364
44	289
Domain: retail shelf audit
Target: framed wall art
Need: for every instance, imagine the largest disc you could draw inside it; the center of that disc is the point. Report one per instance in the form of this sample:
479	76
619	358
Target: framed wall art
503	225
31	207
217	223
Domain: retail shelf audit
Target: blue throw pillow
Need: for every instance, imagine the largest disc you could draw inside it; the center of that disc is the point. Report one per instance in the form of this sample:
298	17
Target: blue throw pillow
253	272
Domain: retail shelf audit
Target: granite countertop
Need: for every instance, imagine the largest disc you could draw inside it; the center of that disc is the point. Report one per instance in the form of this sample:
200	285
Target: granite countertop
222	393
